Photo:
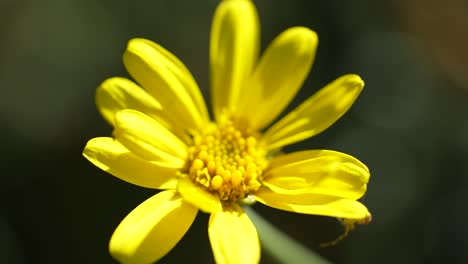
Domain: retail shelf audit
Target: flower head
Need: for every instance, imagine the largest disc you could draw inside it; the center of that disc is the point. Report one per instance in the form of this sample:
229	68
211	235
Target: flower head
164	139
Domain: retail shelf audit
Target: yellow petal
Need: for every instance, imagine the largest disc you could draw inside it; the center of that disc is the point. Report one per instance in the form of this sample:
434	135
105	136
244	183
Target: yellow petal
148	139
152	229
111	156
316	114
315	204
233	237
118	93
318	172
198	196
168	80
280	73
234	45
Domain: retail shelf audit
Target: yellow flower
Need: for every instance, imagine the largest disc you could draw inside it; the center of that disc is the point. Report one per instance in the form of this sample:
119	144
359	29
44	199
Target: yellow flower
163	138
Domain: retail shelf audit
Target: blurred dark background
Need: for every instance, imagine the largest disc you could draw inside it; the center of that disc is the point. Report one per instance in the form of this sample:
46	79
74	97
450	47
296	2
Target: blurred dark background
410	124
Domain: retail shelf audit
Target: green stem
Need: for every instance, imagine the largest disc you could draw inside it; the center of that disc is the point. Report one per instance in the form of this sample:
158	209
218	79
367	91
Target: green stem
279	245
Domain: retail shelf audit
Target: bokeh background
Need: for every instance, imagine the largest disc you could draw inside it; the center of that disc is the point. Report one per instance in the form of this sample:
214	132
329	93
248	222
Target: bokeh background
410	125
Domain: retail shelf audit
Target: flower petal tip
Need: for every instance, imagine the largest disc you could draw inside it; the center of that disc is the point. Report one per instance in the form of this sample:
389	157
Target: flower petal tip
303	33
354	81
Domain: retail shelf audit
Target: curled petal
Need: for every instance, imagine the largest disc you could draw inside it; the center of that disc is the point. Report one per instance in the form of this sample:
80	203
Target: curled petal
315	204
152	229
318	172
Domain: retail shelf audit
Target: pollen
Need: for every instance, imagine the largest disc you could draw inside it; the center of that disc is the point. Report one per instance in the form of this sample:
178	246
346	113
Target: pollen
226	161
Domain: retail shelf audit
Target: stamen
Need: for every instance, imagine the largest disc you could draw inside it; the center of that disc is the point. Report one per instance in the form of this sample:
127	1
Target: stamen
227	161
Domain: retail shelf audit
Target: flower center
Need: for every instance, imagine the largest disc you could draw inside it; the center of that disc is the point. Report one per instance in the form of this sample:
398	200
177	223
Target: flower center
226	161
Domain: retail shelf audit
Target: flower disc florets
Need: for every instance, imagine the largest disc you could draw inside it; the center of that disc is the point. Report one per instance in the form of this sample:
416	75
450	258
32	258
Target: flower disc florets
226	161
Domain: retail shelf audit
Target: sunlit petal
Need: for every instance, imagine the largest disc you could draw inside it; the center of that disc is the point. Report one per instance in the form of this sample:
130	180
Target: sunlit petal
233	237
168	80
152	229
198	196
315	204
111	156
234	46
278	76
148	139
318	172
118	93
316	113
